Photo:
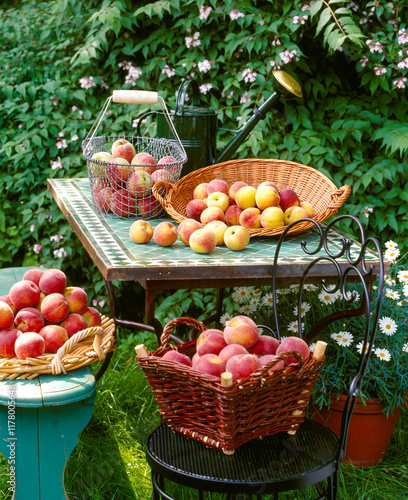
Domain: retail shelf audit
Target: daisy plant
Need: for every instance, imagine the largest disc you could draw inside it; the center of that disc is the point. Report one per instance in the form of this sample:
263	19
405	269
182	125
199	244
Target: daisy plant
387	374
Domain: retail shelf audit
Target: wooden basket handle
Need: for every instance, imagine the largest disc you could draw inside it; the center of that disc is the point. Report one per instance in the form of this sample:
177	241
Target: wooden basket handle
164	339
339	197
155	190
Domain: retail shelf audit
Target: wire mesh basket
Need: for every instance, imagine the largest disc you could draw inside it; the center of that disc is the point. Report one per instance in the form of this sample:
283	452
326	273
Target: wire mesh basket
123	169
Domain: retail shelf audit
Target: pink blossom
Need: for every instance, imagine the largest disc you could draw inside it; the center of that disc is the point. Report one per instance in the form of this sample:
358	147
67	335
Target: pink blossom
87	82
245	98
56	238
205	88
235	14
274	64
133	73
32	228
204	66
205	12
300	19
101	303
56	164
37	248
249	76
403	64
400	83
379	70
193	41
288	55
74	137
60	253
364	61
403	38
54	100
61	143
276	41
170	72
374	47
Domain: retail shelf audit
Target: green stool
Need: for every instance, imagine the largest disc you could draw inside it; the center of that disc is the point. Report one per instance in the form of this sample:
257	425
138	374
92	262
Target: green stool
40	420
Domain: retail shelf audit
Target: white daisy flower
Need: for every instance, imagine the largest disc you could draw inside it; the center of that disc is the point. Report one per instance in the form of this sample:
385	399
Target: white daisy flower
295	287
247	309
282	291
403	276
346	340
354	294
326	297
391	244
254	301
383	354
257	292
389	281
241	294
293	327
405	347
310	287
312	346
359	347
304	308
337	336
267	300
392	294
387	325
405	290
224	318
391	254
260	331
283	337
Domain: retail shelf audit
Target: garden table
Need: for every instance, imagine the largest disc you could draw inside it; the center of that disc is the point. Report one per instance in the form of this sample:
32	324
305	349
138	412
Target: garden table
118	258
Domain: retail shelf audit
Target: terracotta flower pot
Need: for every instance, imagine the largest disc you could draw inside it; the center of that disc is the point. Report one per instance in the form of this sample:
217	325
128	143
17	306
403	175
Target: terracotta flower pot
369	433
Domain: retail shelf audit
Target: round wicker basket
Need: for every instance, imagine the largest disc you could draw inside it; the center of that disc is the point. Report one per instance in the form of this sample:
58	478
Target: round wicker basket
83	348
310	185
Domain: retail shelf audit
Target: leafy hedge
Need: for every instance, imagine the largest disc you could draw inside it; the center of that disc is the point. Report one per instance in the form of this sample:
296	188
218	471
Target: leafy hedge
61	59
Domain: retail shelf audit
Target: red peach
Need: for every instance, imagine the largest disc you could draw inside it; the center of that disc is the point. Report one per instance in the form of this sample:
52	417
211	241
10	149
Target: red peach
29	319
308	208
8	338
166	159
232	350
265	345
161	175
55	308
241	330
232	215
177	357
293	344
77	299
269	183
122	148
117	171
266	196
147	160
210	364
74	323
203	241
210	342
165	234
6	299
270	357
29	345
139	184
234	188
217	185
141	232
236	238
6	316
54	337
210	214
42	297
92	317
122	203
103	199
242	365
24	294
33	275
250	218
293	214
186	229
195	208
288	198
195	358
148	207
200	191
53	281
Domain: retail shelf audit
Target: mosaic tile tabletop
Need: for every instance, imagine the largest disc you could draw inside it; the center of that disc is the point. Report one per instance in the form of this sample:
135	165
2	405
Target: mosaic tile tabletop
107	240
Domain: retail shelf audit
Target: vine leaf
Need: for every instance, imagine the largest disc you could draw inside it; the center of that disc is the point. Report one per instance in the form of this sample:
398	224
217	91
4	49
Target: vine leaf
394	137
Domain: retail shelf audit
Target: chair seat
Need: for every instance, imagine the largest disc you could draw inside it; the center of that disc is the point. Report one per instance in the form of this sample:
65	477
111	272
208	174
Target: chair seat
276	463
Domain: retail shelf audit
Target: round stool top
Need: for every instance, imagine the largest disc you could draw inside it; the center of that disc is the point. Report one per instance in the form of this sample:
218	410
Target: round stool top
49	390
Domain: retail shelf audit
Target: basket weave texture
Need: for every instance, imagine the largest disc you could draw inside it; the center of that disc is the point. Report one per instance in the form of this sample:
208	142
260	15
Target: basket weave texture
198	406
83	348
310	185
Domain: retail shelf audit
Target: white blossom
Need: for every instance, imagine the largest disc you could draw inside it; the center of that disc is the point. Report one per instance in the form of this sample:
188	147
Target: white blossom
87	82
56	164
169	72
37	248
400	83
204	66
60	253
205	88
249	76
387	325
205	12
235	14
383	354
391	254
193	41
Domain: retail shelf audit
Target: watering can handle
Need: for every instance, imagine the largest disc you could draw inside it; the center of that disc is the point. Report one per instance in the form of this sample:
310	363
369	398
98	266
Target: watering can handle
138	133
182	92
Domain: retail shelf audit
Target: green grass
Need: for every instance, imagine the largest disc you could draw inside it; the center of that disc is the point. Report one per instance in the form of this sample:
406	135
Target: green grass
109	461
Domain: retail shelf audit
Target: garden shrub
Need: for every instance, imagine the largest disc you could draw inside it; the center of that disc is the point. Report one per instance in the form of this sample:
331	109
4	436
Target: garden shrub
61	59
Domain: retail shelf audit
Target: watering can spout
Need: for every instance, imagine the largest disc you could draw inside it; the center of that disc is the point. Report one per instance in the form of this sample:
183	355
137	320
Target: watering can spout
286	85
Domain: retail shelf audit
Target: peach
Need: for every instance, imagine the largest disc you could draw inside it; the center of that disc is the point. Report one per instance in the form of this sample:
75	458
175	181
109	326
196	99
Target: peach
141	231
53	281
217	185
29	345
102	156
147	160
103	199
210	364
217	199
219	229
195	208
203	240
77	299
148	207
122	148
177	357
139	184
242	365
161	175
164	160
265	345
234	188
54	337
288	198
74	323
194	359
165	234
98	185
308	208
269	183
210	342
54	308
92	317
236	238
250	218
6	299
29	319
232	350
200	191
186	229
33	275
122	203
270	357
272	217
210	214
8	338
232	215
293	214
24	294
42	296
266	196
6	315
117	171
293	344
241	330
245	197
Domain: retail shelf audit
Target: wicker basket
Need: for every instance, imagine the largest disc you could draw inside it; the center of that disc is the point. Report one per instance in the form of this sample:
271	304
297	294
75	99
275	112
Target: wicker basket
309	184
200	407
83	348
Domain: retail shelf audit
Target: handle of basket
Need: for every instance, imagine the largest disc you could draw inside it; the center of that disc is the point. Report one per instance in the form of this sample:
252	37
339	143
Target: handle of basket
135	96
339	197
57	366
156	188
164	339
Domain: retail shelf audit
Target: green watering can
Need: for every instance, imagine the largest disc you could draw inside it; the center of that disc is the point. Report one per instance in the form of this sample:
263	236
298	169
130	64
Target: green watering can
197	126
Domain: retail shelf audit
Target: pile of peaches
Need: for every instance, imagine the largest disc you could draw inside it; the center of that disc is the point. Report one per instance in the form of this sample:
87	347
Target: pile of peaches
239	349
124	186
40	313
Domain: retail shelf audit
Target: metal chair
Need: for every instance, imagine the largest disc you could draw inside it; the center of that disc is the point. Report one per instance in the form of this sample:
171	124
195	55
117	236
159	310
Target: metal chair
281	462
